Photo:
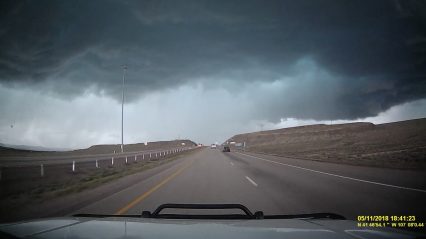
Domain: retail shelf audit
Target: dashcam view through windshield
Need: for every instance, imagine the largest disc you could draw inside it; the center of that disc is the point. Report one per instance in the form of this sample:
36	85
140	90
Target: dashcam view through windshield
295	118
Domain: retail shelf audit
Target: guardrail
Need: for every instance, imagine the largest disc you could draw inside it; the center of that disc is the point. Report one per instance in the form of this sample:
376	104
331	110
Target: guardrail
52	168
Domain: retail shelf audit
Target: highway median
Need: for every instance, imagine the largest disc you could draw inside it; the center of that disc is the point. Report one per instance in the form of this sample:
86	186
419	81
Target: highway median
56	183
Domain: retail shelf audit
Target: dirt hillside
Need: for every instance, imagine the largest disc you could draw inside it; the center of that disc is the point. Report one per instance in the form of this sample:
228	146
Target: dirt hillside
395	145
99	149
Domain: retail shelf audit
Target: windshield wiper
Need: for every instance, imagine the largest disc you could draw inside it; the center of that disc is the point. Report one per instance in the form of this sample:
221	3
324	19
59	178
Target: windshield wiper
247	214
321	215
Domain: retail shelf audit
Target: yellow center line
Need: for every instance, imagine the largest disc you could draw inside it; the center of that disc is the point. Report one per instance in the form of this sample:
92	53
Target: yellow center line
153	189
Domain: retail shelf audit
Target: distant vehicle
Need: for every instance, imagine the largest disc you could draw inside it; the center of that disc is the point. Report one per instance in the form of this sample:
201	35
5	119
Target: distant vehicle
213	146
226	149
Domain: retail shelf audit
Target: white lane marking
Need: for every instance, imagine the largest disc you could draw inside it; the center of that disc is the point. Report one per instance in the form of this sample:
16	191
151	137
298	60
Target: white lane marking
252	182
232	163
339	176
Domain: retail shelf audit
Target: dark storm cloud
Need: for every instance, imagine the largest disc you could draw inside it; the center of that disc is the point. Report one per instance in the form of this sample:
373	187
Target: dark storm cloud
373	51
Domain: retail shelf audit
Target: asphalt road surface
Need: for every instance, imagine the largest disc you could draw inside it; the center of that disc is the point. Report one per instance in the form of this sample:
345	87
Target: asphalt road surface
274	185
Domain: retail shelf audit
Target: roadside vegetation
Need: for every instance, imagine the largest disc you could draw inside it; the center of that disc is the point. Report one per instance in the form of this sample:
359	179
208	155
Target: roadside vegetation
30	192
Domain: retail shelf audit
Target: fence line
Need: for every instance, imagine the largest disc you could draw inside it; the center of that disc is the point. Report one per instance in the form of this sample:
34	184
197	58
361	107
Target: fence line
22	172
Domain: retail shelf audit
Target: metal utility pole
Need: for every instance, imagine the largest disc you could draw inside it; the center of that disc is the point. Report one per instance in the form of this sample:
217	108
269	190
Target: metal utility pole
122	109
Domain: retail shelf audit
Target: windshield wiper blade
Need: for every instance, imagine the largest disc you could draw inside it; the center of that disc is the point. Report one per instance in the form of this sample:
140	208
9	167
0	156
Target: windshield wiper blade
103	215
247	214
323	215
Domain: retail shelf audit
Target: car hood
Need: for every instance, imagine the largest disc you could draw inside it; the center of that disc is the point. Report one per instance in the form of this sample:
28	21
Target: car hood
176	228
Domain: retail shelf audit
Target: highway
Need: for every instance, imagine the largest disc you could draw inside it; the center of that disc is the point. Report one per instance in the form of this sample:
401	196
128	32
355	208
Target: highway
274	185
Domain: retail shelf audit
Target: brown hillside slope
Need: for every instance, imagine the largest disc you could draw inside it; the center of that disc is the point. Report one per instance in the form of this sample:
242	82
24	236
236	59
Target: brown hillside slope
99	149
395	145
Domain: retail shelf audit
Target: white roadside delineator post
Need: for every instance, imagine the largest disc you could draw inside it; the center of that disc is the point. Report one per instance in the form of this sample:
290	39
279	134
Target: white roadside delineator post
41	170
73	166
112	161
97	165
126	159
136	157
143	156
149	155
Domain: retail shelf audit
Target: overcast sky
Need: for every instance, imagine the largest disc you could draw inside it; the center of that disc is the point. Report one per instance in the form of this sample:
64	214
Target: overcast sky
204	70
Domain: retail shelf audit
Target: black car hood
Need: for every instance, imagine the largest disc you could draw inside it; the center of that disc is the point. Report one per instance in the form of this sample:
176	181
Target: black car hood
172	228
